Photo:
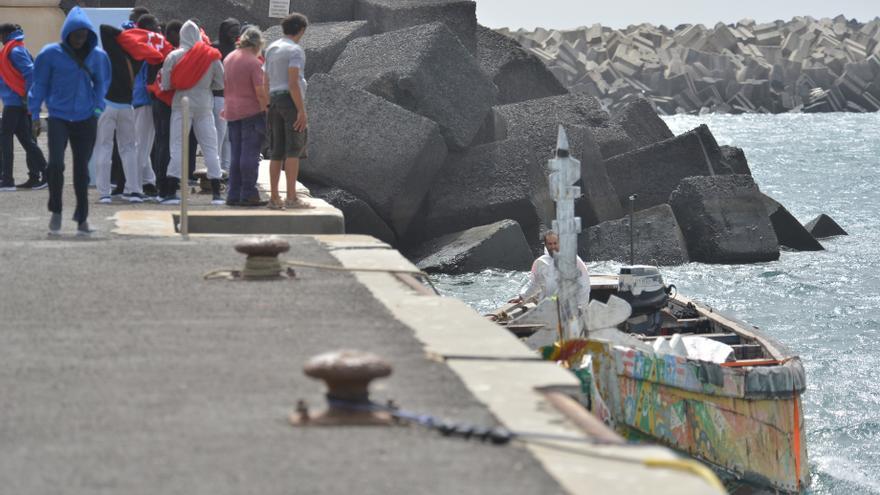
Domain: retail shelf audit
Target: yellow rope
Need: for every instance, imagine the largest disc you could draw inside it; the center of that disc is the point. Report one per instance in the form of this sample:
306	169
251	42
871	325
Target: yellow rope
687	465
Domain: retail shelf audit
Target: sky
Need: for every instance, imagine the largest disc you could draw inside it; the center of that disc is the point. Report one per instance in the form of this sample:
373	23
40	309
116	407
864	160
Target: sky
566	14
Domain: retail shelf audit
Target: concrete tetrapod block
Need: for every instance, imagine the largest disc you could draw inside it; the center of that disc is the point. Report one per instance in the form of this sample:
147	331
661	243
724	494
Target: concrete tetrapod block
500	245
599	201
323	42
657	239
374	149
735	159
210	13
824	226
518	74
519	119
487	184
425	70
360	218
460	16
724	220
789	231
652	172
642	123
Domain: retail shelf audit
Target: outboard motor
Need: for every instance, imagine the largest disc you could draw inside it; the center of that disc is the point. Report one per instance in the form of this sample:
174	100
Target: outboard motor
643	288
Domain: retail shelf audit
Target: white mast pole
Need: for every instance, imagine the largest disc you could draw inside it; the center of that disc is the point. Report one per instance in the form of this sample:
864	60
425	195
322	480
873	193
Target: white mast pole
565	171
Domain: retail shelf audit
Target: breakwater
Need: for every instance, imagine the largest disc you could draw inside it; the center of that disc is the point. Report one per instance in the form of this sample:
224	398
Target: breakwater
802	65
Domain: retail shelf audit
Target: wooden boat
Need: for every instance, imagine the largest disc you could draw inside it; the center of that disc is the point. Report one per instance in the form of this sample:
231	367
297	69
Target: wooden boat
742	416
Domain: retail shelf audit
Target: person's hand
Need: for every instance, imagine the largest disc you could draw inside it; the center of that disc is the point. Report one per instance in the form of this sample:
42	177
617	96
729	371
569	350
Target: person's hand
301	122
36	127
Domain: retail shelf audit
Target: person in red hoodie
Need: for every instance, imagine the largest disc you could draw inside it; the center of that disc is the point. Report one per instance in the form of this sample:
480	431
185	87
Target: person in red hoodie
16	76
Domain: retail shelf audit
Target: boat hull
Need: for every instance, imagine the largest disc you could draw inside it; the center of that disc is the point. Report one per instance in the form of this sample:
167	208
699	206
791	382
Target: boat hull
705	410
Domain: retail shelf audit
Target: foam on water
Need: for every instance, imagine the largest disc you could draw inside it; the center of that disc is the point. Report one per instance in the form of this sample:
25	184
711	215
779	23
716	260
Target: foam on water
823	305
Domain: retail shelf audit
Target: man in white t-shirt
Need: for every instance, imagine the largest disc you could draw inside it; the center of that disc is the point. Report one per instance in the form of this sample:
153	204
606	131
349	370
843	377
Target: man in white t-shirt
544	278
288	122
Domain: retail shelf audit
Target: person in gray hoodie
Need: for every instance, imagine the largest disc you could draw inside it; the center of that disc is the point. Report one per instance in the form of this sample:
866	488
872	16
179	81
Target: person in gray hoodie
200	74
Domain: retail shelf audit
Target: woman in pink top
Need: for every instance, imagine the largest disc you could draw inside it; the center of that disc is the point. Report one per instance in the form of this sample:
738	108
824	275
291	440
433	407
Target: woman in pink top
245	110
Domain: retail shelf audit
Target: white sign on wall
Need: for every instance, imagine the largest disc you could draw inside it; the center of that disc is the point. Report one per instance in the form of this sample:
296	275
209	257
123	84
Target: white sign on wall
279	8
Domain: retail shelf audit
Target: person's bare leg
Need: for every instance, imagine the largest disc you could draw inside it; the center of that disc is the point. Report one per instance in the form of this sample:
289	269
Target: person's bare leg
291	171
274	178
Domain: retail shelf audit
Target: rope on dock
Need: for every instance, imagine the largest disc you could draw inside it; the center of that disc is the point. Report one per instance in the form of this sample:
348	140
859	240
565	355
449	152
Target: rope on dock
265	267
502	436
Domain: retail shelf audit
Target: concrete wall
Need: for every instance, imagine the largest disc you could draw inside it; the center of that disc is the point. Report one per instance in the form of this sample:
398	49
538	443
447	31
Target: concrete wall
41	20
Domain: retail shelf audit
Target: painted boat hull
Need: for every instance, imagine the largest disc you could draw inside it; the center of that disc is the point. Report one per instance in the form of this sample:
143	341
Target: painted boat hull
707	411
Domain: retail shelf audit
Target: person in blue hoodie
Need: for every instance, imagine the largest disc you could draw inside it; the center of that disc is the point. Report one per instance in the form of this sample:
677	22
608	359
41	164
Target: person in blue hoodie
72	77
17	65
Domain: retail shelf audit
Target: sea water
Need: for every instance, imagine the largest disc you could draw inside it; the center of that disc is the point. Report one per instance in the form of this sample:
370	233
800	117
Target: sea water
824	306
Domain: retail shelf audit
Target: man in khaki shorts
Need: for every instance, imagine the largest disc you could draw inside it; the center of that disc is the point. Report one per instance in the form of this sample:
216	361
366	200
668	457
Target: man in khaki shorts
286	85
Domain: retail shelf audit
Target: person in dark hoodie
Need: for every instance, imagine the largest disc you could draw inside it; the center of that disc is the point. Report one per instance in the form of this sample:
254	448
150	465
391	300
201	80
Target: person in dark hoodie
230	30
72	78
16	76
118	120
162	110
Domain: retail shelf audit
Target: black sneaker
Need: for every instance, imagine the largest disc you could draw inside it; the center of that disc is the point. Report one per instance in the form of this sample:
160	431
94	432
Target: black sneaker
41	184
150	190
7	186
118	191
31	183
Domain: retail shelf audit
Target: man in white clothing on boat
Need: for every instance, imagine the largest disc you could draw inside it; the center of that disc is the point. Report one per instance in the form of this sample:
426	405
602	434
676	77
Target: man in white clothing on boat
543	280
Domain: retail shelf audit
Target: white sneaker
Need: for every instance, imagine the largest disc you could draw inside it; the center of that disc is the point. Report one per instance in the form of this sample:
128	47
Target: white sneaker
105	200
135	198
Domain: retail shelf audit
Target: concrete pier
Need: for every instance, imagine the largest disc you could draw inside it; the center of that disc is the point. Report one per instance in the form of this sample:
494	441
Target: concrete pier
124	371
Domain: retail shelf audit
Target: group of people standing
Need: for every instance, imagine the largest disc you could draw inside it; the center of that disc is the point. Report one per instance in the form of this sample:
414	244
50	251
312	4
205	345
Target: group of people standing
126	100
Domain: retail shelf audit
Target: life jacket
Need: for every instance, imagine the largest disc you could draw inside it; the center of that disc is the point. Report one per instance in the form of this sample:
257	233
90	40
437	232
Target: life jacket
11	76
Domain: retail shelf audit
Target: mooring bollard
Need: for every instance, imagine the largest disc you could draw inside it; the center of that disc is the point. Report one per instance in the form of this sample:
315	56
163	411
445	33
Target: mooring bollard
184	171
348	374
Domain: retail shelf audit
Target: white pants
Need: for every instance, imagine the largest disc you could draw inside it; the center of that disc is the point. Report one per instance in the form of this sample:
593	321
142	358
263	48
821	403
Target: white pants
222	134
206	134
118	121
145	133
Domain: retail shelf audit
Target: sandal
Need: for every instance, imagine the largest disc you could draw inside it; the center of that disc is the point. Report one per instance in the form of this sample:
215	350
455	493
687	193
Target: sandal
275	204
296	203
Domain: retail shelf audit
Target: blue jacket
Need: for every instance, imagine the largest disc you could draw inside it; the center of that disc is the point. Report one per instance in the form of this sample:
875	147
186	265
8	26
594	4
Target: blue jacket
21	59
70	94
141	96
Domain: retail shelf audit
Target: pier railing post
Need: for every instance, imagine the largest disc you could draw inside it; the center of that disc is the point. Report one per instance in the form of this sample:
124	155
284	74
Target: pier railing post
184	170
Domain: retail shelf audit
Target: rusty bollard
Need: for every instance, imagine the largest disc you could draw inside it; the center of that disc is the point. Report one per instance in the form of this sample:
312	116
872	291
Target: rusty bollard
262	258
347	374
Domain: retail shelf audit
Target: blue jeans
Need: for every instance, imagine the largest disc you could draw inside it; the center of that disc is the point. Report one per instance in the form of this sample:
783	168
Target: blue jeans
17	123
246	137
81	136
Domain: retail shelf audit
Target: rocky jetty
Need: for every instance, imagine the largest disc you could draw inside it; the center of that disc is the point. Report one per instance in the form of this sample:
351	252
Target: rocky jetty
432	133
803	65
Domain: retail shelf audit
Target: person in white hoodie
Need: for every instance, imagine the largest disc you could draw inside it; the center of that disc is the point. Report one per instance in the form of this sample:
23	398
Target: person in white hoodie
199	74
